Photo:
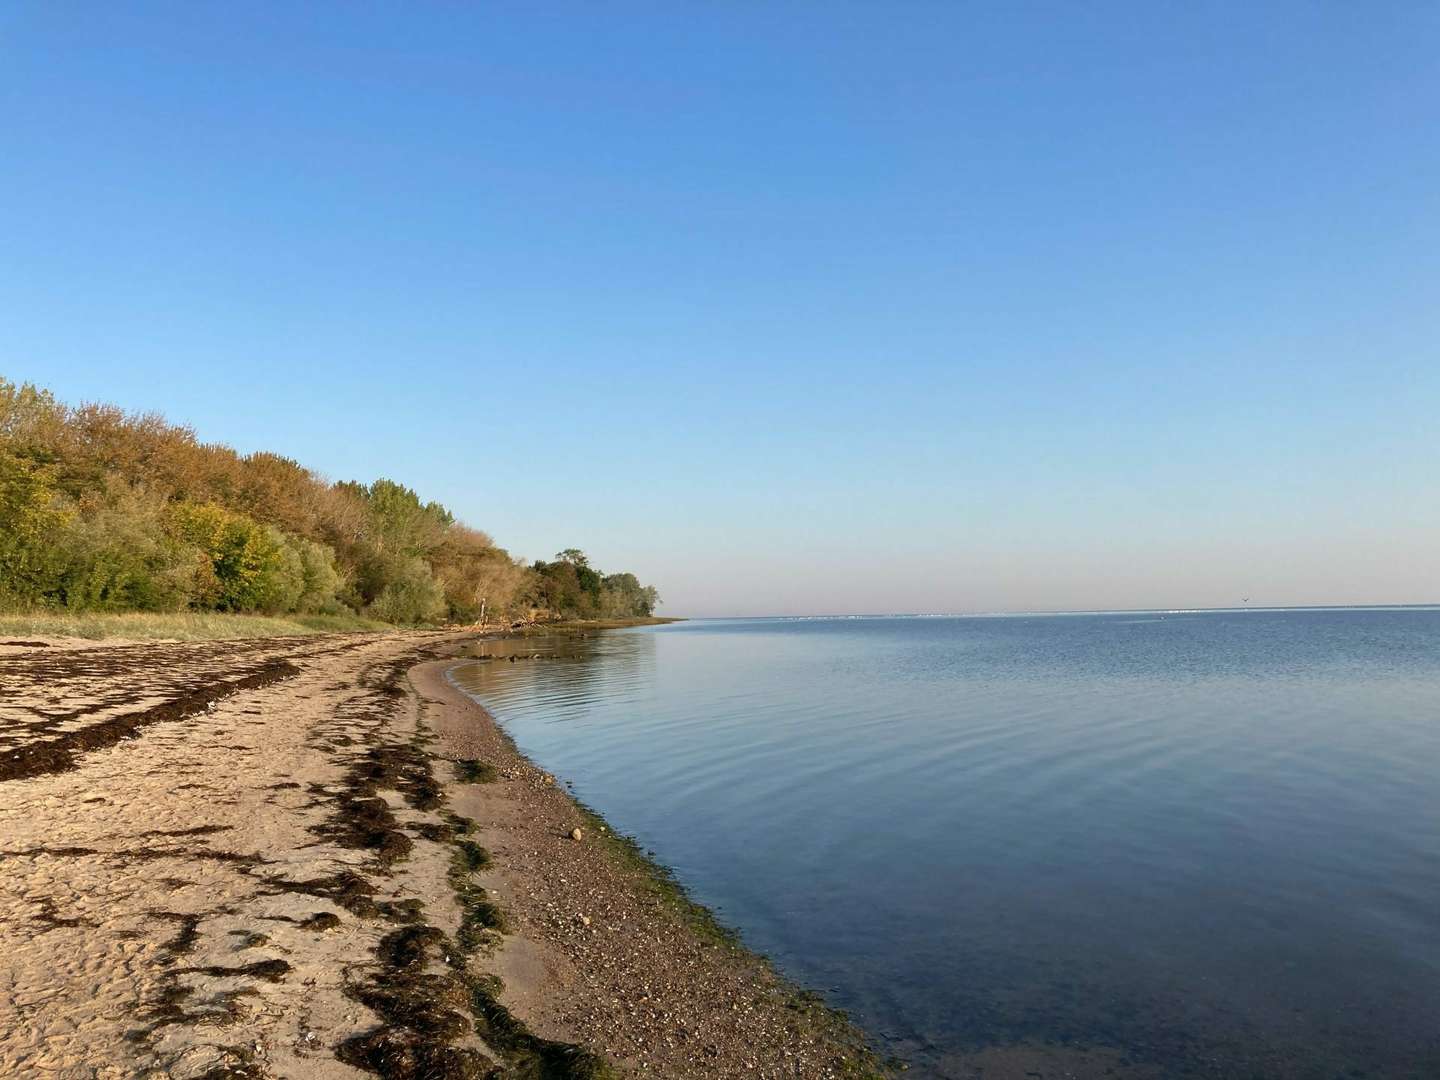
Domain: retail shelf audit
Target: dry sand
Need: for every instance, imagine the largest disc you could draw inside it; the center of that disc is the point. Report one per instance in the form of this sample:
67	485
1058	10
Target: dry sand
255	859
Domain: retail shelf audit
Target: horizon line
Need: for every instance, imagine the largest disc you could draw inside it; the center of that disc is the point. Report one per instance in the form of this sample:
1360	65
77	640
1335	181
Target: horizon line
1422	605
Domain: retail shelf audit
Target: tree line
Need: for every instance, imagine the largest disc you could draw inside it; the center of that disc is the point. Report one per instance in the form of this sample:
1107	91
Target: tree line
104	510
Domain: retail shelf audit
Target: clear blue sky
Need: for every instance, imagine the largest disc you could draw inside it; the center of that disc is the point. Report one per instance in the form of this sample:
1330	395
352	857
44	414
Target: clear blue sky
788	307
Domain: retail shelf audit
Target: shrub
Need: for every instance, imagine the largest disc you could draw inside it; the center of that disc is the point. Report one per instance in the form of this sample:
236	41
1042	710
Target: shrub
412	595
118	553
29	521
322	581
251	565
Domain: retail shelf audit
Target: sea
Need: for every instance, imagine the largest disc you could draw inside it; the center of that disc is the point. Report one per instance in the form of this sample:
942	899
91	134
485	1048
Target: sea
1122	844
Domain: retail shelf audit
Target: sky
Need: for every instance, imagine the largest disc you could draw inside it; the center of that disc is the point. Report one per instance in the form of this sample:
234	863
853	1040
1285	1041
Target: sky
786	307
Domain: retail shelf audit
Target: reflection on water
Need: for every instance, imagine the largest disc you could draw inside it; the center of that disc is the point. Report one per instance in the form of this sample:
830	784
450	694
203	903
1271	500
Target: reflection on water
1197	844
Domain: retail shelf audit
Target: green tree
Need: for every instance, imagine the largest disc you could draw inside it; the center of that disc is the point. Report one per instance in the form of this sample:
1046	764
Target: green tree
30	520
102	508
401	523
250	564
412	595
119	553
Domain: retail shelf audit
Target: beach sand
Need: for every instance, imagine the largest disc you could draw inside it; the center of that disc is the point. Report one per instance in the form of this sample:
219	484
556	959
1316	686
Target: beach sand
258	858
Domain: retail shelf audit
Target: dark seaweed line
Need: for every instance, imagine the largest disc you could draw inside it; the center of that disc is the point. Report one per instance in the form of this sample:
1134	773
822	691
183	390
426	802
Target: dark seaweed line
59	754
423	1011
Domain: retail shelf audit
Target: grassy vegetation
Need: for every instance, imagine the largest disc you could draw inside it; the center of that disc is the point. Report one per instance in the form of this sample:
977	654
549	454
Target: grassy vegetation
177	625
218	625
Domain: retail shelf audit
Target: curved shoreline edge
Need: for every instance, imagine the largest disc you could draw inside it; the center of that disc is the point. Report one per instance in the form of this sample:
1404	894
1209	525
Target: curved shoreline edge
346	870
607	949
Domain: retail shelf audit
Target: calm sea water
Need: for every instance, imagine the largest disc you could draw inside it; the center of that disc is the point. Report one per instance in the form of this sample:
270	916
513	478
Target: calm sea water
1186	844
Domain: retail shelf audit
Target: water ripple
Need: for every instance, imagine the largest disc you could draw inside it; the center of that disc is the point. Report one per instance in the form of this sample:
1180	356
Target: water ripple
1209	840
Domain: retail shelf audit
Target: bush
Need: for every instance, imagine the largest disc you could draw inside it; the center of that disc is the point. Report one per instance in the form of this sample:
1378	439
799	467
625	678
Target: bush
253	567
119	554
412	595
320	593
29	522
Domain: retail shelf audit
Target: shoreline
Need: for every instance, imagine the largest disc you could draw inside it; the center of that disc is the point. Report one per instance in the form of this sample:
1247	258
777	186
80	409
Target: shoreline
325	892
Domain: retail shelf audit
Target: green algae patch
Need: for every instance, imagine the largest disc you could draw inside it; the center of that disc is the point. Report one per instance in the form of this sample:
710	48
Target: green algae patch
480	917
657	880
528	1056
471	856
470	771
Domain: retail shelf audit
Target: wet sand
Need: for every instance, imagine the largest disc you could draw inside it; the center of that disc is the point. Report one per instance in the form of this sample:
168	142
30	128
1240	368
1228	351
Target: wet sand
260	859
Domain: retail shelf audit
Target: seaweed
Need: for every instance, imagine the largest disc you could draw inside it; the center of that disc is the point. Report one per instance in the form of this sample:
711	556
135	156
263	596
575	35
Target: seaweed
59	753
185	938
471	856
269	970
480	917
471	771
350	891
50	919
423	1013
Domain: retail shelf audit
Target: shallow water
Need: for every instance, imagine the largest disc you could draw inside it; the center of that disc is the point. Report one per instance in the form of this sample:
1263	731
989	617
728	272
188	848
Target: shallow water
1201	844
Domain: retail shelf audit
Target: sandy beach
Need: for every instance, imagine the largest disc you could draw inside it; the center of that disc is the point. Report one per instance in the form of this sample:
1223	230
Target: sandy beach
313	857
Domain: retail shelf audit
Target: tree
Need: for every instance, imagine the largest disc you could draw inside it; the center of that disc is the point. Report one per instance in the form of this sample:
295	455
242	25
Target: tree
571	588
412	596
103	508
120	552
401	523
623	597
251	567
29	521
574	556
